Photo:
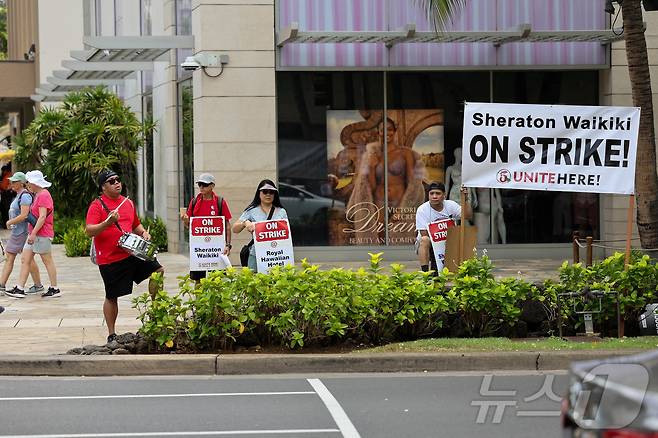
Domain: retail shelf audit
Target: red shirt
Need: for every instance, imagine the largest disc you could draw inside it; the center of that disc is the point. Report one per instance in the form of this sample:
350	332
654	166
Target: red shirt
208	207
106	243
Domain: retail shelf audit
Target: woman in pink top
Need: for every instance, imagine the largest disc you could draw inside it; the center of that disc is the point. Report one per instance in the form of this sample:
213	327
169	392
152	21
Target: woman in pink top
41	232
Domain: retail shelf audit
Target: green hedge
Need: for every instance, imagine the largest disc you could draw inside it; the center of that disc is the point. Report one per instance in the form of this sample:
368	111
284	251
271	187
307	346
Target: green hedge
301	306
637	286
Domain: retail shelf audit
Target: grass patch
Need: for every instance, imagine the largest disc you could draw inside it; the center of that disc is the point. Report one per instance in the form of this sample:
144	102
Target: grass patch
506	344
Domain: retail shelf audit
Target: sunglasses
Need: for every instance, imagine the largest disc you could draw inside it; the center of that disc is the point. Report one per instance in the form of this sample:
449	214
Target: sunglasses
202	184
268	192
113	181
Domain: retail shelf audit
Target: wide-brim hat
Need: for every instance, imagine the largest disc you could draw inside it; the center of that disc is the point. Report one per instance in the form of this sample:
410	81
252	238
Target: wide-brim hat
36	177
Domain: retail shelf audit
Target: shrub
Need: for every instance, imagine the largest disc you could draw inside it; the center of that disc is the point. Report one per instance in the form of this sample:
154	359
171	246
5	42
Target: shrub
76	242
63	224
158	230
637	286
303	305
484	303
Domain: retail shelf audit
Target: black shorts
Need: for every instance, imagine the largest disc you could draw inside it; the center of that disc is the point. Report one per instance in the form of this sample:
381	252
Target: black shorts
197	275
118	277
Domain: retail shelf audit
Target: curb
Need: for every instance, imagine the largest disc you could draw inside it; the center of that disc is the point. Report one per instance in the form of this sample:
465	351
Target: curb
135	365
243	364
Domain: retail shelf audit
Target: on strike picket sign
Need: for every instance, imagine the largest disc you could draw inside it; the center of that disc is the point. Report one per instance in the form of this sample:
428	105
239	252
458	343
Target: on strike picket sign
550	147
207	243
273	244
438	232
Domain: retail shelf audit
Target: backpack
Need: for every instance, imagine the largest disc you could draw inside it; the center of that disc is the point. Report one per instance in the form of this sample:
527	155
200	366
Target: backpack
220	203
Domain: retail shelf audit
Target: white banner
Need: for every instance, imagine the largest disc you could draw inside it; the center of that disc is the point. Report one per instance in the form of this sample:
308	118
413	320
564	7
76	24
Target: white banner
438	232
550	147
273	244
207	243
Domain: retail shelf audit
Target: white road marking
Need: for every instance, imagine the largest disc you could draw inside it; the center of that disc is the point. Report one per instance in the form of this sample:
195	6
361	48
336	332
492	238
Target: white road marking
217	394
198	433
335	409
538	414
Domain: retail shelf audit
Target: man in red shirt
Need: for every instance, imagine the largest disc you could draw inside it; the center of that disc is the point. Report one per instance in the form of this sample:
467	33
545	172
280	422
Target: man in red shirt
207	203
118	268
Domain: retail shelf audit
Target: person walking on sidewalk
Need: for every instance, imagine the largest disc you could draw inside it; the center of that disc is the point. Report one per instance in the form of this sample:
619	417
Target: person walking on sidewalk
39	240
108	217
17	223
208	203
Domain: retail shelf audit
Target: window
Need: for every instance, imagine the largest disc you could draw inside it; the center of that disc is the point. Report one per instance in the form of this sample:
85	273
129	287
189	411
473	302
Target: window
340	188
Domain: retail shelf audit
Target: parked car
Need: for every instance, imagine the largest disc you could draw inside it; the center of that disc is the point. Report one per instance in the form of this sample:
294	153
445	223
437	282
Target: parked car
613	398
299	202
308	214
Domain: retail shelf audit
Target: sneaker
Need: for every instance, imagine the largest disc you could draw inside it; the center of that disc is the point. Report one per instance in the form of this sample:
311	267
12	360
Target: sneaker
15	292
51	293
35	289
2	289
2	309
112	338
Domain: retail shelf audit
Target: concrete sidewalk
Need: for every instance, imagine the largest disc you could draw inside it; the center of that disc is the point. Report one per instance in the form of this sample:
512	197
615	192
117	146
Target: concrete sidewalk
37	326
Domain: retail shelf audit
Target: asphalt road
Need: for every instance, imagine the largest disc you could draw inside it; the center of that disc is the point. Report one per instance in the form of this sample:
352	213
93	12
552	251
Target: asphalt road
510	404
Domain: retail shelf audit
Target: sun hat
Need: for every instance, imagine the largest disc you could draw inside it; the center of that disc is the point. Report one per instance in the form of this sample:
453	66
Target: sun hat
206	178
104	176
18	177
36	177
269	186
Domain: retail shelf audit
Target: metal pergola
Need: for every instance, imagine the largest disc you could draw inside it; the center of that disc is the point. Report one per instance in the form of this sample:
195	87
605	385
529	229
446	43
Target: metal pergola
523	34
108	61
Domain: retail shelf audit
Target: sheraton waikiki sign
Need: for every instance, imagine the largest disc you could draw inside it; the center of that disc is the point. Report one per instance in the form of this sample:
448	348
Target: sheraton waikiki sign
550	147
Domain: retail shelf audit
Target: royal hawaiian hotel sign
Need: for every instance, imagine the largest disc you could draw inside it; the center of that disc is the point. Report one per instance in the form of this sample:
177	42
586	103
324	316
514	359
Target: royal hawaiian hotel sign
550	147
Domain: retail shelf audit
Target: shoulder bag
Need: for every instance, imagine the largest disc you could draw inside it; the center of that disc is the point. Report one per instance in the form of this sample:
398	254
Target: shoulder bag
244	252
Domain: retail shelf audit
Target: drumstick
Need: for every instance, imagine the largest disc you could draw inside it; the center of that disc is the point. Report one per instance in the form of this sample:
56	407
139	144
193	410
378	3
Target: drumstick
118	207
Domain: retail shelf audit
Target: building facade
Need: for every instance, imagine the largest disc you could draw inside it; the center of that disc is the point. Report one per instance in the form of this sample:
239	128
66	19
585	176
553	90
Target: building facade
305	92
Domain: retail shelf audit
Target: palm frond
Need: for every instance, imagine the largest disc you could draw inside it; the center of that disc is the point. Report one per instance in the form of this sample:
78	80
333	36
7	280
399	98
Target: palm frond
441	12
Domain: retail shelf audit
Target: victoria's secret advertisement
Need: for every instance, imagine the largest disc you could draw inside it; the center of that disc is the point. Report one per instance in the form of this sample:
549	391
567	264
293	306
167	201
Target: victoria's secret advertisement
356	165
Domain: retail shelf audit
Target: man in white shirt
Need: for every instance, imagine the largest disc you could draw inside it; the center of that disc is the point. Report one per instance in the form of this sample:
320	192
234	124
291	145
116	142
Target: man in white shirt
437	208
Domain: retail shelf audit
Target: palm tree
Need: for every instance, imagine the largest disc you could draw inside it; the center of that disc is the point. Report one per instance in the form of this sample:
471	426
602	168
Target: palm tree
646	180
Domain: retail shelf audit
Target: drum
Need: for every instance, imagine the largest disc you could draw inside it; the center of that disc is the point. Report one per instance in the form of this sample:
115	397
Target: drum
140	248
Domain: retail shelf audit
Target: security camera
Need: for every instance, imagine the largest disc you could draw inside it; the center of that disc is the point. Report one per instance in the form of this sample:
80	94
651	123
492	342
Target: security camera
190	64
202	60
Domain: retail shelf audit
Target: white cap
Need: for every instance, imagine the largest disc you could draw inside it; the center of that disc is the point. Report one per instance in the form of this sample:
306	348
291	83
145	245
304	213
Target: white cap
36	177
268	187
206	178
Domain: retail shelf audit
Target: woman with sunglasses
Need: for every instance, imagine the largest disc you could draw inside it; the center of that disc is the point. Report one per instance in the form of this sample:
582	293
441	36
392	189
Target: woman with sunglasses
207	203
265	199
